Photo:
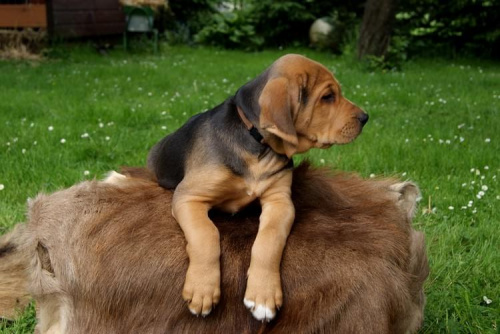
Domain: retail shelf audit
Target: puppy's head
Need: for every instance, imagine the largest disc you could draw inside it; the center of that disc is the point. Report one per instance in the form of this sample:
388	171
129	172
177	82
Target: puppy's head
300	105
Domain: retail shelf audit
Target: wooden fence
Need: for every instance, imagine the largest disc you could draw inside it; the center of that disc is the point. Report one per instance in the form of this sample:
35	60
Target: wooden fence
67	18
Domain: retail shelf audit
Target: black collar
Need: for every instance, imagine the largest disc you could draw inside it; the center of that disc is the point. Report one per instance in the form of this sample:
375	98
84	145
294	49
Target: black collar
258	137
250	127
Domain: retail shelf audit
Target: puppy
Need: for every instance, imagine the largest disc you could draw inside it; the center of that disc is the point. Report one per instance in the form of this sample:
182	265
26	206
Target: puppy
241	151
103	257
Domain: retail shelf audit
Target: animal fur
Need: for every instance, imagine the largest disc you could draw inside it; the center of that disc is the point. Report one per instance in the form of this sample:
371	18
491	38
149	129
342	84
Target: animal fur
105	257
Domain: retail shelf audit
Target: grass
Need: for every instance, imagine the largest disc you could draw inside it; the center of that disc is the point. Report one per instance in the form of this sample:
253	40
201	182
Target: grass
435	122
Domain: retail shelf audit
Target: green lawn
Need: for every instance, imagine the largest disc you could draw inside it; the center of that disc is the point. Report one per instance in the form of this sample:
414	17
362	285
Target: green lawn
435	122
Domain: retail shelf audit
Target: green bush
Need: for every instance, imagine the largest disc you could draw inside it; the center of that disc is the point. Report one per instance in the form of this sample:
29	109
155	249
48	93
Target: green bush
393	61
184	18
273	23
193	13
231	30
282	23
422	27
449	28
260	23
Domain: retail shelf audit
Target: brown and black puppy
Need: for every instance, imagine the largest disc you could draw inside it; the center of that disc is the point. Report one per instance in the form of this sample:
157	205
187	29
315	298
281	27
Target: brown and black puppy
241	151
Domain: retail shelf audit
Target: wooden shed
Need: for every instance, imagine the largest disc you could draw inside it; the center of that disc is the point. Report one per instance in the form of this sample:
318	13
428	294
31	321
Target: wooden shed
66	18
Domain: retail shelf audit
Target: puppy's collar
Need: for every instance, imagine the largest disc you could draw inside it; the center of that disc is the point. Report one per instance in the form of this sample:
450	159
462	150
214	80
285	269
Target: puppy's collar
260	139
250	127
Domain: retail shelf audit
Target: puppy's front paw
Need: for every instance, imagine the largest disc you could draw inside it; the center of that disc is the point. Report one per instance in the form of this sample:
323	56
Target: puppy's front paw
263	295
201	290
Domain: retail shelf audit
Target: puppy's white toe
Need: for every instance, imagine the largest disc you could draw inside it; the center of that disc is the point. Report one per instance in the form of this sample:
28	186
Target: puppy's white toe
249	303
262	313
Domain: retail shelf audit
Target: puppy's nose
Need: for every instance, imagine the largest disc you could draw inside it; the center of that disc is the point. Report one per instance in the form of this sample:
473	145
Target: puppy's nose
363	118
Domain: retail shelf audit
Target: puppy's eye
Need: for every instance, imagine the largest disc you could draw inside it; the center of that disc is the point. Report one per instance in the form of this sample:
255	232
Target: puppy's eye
330	97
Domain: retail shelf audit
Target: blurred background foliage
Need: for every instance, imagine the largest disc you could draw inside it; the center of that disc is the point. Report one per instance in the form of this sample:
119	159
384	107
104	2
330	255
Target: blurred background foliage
419	28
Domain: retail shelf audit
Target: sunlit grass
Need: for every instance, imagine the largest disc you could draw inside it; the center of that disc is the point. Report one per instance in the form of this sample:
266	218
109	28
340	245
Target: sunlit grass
435	122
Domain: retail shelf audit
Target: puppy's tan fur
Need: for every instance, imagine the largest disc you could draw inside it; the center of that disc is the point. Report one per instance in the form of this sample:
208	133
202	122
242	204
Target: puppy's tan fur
105	258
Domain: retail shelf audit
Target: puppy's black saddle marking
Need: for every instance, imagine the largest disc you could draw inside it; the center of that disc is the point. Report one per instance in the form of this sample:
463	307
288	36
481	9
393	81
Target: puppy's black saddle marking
215	137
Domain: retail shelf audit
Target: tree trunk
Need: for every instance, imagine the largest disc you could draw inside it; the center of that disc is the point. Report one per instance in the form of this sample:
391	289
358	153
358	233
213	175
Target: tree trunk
376	28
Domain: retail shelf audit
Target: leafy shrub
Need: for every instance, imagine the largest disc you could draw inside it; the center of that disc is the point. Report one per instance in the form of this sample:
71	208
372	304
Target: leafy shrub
393	60
274	23
435	28
179	33
193	13
260	23
282	22
422	27
184	18
231	30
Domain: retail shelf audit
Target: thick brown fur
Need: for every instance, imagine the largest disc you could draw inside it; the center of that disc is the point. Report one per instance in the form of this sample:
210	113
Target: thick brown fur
107	258
14	294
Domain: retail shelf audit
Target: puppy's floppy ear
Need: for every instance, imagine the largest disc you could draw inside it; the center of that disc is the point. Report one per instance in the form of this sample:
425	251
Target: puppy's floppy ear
276	113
